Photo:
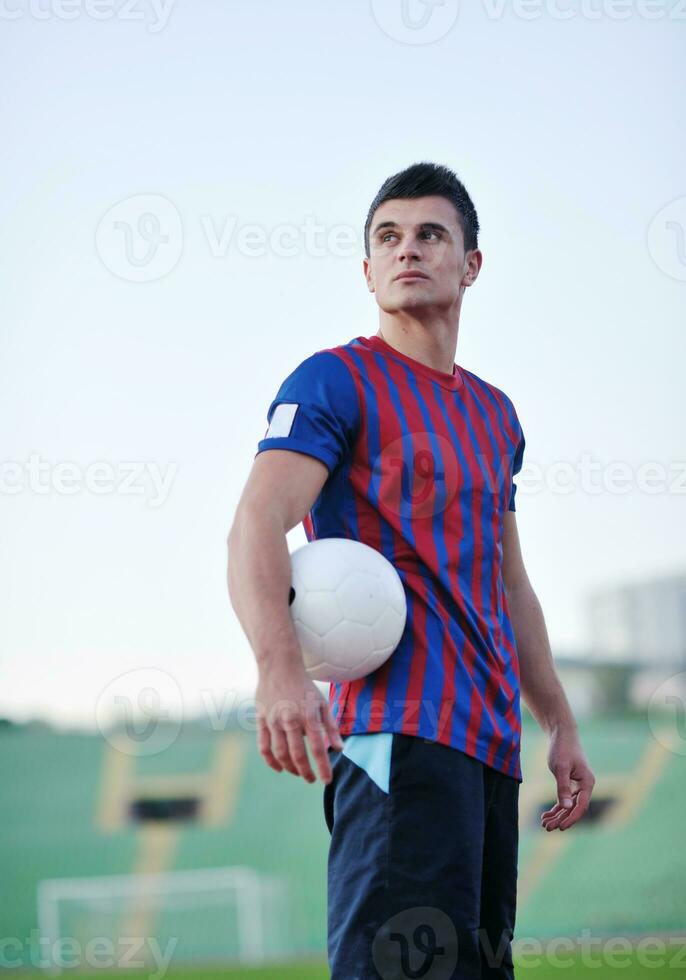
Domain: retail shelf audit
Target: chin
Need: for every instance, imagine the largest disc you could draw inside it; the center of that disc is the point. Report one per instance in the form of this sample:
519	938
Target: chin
407	303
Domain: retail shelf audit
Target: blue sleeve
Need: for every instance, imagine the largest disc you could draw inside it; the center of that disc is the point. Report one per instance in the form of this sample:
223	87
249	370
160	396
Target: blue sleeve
315	411
516	467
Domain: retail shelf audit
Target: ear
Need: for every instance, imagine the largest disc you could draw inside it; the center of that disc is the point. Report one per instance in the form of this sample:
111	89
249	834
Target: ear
472	267
367	269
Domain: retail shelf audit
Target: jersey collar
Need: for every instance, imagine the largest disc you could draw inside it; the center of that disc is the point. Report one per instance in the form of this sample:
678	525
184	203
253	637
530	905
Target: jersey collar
450	381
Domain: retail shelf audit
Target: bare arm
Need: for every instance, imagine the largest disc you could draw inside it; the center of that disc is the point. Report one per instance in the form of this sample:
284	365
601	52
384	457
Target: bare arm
280	490
542	690
541	687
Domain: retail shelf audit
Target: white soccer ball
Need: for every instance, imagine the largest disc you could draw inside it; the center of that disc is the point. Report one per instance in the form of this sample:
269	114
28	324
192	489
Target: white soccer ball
348	607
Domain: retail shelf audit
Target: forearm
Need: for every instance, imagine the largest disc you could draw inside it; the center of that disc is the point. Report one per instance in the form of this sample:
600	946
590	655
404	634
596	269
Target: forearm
259	581
540	685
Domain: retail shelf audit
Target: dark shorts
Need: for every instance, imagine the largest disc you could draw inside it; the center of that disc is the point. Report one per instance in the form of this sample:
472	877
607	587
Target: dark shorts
422	868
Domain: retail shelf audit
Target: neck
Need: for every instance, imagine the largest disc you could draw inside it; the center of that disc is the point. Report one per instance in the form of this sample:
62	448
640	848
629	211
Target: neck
432	342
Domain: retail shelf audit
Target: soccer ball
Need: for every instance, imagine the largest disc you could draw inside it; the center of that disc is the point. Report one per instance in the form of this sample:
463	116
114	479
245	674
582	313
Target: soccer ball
348	608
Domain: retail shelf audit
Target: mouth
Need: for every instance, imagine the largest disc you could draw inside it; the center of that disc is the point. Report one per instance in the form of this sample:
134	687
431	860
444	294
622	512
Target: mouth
410	276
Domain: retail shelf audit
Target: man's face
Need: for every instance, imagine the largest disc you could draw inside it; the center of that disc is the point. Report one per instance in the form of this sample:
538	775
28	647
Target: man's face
416	255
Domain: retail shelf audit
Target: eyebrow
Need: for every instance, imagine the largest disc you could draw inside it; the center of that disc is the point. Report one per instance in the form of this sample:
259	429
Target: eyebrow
434	225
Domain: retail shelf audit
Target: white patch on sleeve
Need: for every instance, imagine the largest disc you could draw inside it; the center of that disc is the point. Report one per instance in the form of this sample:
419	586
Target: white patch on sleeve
282	421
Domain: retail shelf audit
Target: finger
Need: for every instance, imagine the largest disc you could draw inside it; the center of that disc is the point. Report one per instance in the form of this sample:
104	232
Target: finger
552	817
554	822
577	813
315	735
281	750
552	811
555	811
331	727
564	786
264	743
558	808
298	753
585	780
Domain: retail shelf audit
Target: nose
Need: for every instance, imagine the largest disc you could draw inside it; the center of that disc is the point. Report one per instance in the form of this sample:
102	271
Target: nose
409	249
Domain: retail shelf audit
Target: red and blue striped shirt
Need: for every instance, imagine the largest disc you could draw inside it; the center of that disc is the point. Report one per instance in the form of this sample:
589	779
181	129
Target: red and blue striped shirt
420	467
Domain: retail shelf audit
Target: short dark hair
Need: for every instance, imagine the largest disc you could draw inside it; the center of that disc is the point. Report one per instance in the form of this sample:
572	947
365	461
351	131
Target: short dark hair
421	180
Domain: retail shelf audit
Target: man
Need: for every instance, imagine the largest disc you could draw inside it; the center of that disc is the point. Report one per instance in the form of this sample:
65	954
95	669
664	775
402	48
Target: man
386	440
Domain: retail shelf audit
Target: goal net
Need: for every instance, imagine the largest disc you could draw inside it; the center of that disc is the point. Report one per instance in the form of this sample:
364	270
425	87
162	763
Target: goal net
205	915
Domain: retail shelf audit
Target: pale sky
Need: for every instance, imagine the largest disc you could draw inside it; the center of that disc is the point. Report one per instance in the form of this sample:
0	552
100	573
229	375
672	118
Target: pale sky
246	141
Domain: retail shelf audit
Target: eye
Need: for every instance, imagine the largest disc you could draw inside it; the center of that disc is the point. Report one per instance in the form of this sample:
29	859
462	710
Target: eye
387	235
430	231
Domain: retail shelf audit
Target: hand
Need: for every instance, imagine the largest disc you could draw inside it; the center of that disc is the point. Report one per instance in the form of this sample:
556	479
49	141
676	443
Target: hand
574	778
289	708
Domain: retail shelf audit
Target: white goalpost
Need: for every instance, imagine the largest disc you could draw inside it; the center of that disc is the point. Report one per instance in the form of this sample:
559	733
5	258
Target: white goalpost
211	914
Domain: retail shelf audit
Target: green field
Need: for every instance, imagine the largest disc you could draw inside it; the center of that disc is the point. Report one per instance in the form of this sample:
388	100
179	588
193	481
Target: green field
68	813
631	967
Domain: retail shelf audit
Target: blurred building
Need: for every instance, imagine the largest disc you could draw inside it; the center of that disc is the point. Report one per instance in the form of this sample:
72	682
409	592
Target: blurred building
644	622
637	651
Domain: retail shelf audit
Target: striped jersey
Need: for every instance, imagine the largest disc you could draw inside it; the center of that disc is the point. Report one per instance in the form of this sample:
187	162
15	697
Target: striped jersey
421	467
